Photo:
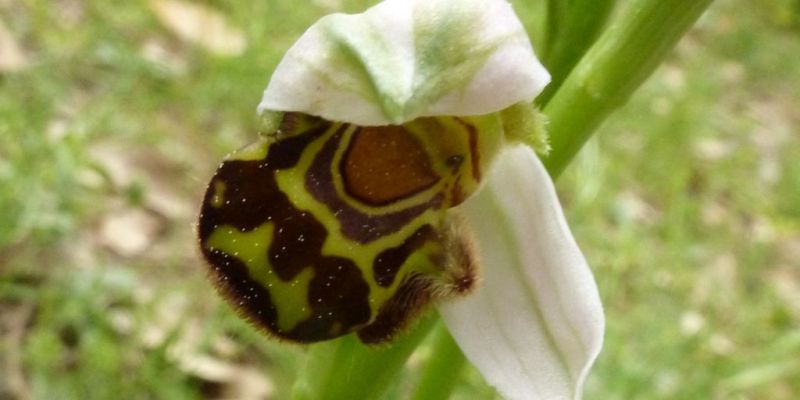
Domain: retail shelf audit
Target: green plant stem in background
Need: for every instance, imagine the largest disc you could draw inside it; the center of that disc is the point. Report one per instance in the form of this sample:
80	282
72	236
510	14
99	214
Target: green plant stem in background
606	76
346	369
556	18
621	59
443	370
572	27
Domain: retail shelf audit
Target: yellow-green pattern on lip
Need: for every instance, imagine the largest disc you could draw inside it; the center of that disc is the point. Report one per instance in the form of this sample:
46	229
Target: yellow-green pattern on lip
322	230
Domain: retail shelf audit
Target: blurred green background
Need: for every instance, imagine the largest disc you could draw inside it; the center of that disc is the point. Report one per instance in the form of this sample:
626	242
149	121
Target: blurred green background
113	116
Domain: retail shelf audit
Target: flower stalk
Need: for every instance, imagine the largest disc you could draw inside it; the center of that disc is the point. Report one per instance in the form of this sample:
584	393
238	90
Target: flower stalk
345	368
444	368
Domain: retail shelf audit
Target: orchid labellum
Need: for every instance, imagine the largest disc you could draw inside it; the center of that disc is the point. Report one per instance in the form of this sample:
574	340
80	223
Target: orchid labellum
399	174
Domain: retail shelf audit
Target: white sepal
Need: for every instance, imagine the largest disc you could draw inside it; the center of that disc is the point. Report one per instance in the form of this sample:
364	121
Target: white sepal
404	59
535	324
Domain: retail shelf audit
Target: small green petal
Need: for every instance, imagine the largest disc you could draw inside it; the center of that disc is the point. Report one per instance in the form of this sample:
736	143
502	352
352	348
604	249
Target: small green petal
525	123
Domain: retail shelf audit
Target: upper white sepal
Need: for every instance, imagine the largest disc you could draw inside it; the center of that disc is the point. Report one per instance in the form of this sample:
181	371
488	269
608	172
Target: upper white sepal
535	324
404	59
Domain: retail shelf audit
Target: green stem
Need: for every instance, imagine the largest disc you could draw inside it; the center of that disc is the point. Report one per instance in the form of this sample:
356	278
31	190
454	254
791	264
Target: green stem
576	28
556	15
443	370
621	59
346	369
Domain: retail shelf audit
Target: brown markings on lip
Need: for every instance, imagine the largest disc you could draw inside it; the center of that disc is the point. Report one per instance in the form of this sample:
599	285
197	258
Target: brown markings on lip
463	279
456	193
337	294
417	292
410	299
385	164
389	261
474	152
253	198
355	225
233	282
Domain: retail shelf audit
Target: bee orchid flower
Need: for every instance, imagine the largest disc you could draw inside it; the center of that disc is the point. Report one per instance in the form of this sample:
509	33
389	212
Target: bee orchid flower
397	172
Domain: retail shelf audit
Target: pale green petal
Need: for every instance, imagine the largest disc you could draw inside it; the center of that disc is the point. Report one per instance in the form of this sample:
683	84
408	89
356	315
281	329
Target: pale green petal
535	324
404	59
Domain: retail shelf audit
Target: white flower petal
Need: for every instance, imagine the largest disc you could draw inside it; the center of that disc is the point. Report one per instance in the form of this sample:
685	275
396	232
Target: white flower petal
535	324
404	59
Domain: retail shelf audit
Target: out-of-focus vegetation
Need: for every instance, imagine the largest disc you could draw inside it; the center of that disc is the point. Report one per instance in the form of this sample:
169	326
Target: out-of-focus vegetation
113	115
